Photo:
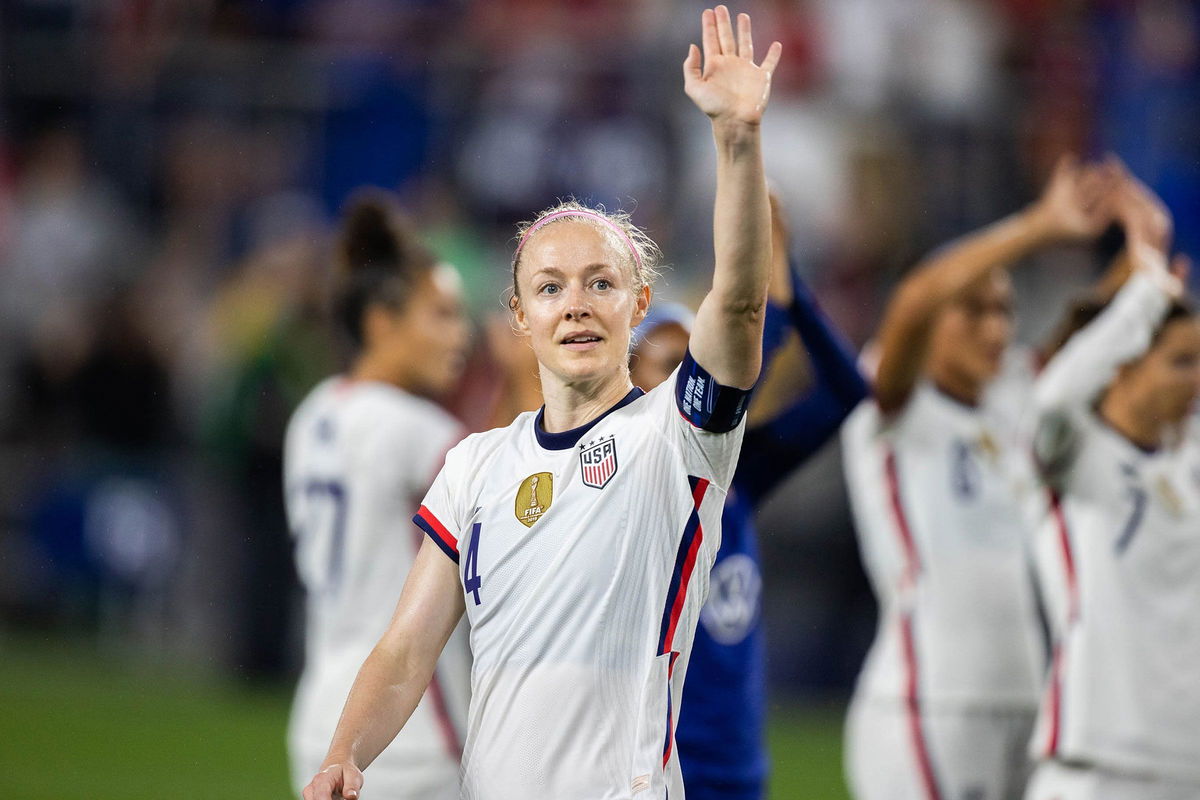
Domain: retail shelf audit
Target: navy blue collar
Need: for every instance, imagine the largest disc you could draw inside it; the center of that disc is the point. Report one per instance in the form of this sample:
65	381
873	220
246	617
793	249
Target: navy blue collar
568	439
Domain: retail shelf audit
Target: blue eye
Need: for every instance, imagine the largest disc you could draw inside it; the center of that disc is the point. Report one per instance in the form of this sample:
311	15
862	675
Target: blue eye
549	288
602	285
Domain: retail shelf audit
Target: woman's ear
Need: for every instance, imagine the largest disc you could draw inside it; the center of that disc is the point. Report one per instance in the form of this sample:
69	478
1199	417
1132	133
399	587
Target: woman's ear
642	300
520	326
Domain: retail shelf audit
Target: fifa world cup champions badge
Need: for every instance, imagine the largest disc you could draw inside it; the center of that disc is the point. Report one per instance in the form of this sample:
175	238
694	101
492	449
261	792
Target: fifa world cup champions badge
598	462
534	498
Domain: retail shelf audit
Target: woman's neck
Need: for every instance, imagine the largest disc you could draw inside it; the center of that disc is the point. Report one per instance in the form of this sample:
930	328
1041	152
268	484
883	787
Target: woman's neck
366	368
957	386
569	405
1123	415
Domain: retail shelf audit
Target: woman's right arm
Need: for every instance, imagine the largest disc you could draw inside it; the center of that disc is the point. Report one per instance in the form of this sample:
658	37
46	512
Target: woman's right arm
394	676
1071	207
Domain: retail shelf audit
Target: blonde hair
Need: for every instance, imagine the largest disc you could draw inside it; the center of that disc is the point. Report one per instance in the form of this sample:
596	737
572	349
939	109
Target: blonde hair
617	228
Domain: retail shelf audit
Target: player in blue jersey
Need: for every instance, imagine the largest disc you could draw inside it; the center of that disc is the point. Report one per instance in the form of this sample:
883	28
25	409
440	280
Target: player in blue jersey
720	732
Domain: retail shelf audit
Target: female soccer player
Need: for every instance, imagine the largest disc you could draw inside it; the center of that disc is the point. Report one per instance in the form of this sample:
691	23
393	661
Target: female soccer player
361	451
579	538
1119	448
937	476
721	729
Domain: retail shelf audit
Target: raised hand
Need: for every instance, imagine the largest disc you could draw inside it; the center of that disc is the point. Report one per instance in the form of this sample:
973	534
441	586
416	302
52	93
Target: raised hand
1077	202
1141	213
728	86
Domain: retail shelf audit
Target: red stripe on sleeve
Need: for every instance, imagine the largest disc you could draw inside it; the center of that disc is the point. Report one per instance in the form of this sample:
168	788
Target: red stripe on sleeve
438	528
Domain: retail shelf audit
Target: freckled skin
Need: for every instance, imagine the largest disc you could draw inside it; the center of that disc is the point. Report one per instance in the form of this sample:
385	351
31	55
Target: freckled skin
571	280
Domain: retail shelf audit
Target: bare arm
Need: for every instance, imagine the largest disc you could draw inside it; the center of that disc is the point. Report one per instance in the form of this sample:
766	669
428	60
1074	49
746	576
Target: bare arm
727	336
394	676
1087	361
1071	207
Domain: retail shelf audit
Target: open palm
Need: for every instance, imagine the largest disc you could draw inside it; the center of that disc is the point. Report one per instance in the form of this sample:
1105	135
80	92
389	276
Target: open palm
728	86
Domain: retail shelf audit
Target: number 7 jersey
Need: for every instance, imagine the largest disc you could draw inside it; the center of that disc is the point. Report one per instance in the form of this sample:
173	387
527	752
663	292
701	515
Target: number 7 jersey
584	558
1119	556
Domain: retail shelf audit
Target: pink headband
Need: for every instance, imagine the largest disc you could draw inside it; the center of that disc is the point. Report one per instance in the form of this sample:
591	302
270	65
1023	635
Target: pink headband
578	212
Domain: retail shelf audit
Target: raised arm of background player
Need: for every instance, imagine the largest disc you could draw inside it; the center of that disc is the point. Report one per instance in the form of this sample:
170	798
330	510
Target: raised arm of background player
1077	376
798	422
1071	207
1137	205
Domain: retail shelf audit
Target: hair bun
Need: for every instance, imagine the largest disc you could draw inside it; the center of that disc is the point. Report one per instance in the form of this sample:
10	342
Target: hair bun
370	236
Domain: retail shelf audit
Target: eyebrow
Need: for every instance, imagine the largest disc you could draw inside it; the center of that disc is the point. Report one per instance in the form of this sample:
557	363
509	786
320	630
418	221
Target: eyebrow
558	273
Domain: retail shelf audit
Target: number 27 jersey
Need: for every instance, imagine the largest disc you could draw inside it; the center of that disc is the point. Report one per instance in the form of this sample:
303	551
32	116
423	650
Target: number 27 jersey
584	558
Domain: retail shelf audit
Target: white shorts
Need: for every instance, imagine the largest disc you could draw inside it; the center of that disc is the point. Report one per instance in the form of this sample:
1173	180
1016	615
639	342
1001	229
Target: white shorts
968	754
1053	780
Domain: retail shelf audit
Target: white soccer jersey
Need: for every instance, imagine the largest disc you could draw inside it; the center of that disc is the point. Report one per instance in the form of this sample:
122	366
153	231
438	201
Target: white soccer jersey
938	494
1122	553
584	558
358	457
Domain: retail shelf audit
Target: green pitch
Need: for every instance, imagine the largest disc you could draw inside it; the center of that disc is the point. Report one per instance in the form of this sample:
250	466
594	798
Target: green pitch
74	726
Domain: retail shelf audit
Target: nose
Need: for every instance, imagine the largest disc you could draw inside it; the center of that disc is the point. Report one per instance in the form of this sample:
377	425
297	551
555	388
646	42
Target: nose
577	306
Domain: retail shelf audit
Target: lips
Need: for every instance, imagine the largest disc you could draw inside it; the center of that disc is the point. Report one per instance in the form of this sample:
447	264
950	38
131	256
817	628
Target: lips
581	340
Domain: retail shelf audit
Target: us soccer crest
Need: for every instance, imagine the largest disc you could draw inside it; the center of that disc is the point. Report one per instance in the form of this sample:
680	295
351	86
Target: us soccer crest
534	498
598	462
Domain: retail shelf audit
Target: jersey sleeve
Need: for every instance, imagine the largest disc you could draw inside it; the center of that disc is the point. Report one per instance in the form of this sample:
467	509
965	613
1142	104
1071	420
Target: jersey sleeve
705	420
1075	377
440	515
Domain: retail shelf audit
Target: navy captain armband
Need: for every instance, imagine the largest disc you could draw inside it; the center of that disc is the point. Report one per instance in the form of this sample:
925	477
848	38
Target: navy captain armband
704	402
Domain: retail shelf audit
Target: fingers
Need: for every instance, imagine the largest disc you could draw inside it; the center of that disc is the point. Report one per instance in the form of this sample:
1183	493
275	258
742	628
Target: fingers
708	32
351	784
691	65
1065	167
1181	268
772	58
725	31
745	40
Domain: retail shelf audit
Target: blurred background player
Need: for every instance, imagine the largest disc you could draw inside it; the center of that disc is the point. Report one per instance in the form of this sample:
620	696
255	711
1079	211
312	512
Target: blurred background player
587	530
937	474
1119	448
360	452
721	732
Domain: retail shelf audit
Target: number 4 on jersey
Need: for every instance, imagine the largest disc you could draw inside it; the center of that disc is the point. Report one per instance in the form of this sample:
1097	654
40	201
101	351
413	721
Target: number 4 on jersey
471	580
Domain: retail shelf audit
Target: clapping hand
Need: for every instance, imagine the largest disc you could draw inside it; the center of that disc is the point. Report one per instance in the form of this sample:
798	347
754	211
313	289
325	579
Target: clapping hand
1077	202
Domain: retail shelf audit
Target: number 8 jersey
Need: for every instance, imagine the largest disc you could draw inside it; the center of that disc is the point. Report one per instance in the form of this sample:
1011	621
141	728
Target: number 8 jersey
584	558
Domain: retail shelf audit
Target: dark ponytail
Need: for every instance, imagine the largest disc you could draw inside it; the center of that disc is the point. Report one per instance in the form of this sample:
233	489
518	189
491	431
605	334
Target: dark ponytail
379	260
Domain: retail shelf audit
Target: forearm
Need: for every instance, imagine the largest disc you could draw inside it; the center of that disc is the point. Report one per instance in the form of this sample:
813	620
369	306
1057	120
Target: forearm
833	361
385	693
741	220
948	271
1088	361
728	333
942	277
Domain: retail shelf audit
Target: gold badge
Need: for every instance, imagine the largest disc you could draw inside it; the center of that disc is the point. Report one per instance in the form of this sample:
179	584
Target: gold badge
1168	495
534	498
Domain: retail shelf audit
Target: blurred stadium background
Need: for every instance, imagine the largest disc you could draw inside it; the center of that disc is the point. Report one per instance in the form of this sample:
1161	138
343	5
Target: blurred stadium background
169	174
